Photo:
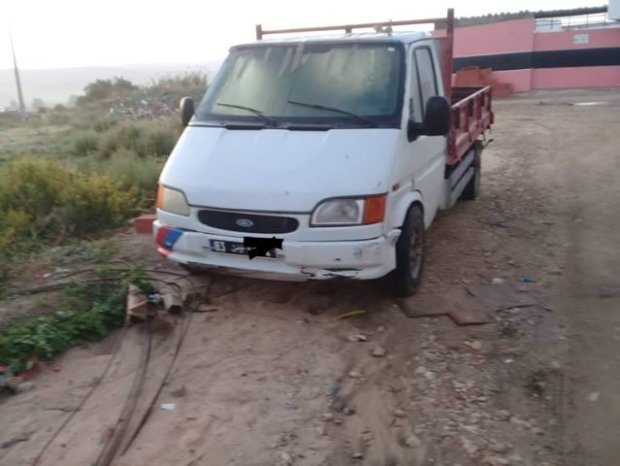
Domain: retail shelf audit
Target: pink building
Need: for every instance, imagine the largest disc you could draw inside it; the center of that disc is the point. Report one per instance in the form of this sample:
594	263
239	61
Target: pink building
544	51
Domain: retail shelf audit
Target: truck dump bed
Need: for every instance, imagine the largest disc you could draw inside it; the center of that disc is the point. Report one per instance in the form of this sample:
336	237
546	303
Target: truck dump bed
471	117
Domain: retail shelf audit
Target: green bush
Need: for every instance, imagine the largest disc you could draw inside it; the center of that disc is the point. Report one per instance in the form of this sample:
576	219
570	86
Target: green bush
44	199
180	82
172	88
102	89
32	186
92	203
145	138
125	135
161	136
85	142
103	124
87	314
57	118
5	272
134	172
13	224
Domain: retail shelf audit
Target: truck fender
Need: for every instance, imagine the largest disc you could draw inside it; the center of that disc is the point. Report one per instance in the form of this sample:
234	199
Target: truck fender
404	203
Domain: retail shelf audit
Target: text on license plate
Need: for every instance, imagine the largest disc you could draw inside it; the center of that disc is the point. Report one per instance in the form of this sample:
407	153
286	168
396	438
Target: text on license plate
231	247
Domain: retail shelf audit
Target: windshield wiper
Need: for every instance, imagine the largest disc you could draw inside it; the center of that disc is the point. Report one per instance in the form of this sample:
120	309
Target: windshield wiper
256	112
335	110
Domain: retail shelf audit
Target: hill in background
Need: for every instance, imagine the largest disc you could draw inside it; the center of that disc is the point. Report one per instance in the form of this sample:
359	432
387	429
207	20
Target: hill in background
58	85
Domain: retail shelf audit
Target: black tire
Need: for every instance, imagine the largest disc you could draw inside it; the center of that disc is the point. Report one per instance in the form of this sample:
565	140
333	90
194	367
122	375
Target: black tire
405	279
472	190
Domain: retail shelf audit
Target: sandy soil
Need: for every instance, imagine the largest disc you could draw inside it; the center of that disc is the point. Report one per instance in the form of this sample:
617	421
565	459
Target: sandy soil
275	377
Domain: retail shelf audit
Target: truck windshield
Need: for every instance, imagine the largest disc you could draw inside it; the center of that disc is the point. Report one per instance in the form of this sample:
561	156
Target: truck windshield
327	84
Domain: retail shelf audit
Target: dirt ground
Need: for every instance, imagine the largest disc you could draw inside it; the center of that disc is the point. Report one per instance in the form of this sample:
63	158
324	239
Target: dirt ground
272	374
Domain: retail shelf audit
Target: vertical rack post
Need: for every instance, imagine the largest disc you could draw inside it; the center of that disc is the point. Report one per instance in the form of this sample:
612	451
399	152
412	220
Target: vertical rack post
448	58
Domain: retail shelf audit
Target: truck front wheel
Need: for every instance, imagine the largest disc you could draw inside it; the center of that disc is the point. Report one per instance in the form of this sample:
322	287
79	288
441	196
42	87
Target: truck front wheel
406	277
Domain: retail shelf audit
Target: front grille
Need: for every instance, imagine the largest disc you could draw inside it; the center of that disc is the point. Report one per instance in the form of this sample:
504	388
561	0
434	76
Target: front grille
250	223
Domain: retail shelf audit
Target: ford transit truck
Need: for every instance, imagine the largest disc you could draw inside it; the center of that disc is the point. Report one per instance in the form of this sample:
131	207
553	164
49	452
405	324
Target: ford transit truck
324	155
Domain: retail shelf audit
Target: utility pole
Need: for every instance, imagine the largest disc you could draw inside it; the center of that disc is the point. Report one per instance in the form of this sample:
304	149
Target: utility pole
18	83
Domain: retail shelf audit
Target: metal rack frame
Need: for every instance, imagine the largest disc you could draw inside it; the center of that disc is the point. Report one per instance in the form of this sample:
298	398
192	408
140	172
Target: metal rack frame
447	41
348	28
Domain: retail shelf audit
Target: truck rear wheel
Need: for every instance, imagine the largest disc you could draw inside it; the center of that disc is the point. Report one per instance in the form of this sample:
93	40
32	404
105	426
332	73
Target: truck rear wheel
472	189
405	278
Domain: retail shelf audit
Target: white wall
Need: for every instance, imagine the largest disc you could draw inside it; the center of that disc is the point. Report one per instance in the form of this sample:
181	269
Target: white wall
613	11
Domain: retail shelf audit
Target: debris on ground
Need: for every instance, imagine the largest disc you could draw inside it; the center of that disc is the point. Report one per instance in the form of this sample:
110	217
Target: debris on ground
24	437
358	337
14	382
6	373
206	308
350	314
137	304
527	279
470	316
503	415
378	352
334	389
609	291
173	303
413	442
24	387
285	459
348	411
179	392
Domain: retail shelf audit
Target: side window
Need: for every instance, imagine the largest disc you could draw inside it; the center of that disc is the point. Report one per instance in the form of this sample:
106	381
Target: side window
425	71
415	108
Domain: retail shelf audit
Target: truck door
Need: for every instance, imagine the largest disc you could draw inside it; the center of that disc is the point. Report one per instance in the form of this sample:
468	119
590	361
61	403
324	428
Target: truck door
427	153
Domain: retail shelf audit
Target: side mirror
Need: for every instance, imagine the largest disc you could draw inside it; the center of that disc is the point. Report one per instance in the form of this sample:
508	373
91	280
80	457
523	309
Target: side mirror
436	120
186	107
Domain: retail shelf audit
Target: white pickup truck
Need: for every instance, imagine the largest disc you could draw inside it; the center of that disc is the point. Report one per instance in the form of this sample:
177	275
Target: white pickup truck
323	157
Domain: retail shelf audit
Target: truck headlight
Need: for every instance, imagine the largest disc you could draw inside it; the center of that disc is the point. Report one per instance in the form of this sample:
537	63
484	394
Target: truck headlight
172	200
351	211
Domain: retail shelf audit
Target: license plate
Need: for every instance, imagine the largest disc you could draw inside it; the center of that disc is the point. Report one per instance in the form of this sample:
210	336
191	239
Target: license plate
231	247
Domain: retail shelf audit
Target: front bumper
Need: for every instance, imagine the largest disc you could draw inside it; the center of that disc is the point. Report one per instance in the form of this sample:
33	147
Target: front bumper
297	260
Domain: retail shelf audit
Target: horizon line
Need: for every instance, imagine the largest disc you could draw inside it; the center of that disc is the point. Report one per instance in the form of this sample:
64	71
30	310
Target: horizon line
127	65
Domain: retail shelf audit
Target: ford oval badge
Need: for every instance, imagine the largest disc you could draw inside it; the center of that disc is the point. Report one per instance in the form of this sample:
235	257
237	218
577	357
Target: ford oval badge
245	222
